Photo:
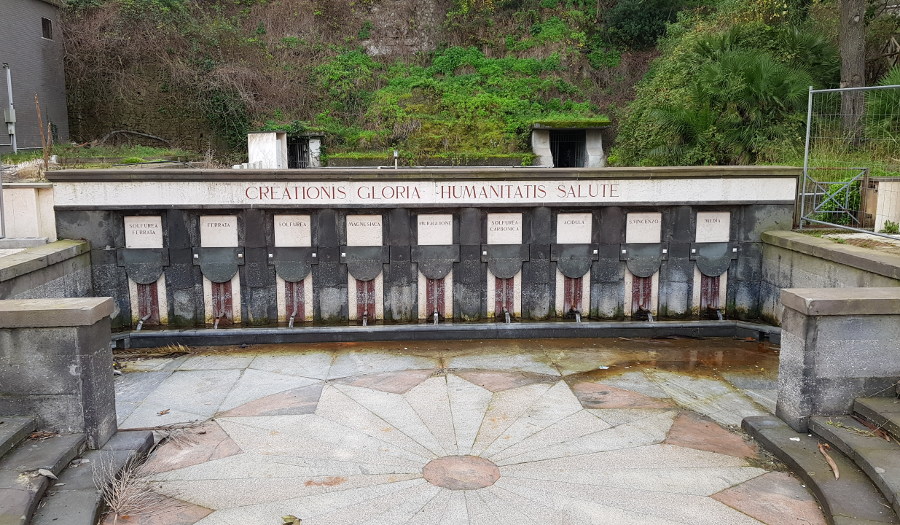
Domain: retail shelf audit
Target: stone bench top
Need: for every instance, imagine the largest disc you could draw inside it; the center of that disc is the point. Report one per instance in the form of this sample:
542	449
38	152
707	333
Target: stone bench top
47	313
842	301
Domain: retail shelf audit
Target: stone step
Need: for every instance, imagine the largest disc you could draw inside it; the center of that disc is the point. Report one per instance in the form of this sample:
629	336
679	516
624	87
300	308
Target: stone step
75	498
877	457
21	487
14	429
884	412
851	499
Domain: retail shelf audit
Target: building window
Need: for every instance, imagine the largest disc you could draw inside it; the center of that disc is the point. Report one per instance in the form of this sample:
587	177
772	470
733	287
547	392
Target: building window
47	28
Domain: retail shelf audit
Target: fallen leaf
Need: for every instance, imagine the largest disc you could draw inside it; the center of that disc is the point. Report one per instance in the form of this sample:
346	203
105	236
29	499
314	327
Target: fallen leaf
823	447
46	473
162	412
290	520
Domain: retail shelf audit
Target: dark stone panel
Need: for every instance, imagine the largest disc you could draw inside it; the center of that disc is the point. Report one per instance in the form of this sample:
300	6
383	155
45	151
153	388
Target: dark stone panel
607	300
607	270
612	225
677	270
537	301
539	251
679	249
536	272
329	274
400	228
760	218
596	226
749	262
330	304
399	273
400	253
100	228
255	226
541	230
679	225
181	271
471	227
185	307
257	271
609	251
401	302
327	229
329	254
261	305
468	302
177	224
746	299
674	299
470	269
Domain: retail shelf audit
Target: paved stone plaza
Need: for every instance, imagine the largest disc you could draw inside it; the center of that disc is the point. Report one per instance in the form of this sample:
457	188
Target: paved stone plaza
558	432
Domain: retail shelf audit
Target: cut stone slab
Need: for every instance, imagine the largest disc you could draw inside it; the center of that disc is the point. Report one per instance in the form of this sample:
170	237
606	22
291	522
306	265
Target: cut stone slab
14	429
692	431
41	313
775	497
877	457
883	411
52	454
166	511
295	401
498	381
192	446
850	499
598	395
393	382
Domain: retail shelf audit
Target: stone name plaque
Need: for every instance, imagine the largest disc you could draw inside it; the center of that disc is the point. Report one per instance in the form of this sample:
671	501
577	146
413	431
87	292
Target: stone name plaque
435	230
504	228
293	231
364	230
218	231
643	228
573	228
713	226
143	232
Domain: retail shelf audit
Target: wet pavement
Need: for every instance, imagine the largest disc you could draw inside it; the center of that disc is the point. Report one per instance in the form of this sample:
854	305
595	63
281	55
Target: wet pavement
461	432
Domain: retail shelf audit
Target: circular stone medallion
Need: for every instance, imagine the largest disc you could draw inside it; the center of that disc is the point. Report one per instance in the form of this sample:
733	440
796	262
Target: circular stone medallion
461	472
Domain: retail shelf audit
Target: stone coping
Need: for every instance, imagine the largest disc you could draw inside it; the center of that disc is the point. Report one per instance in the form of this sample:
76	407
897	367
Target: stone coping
51	313
842	301
452	174
26	185
35	258
885	264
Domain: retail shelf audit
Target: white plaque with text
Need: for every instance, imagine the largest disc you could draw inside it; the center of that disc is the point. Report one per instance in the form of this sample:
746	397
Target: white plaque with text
573	228
364	230
713	226
143	232
218	231
435	230
292	231
504	228
643	228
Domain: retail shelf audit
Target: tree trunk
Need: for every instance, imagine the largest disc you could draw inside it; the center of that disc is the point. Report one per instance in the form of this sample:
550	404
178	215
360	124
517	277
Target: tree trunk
853	66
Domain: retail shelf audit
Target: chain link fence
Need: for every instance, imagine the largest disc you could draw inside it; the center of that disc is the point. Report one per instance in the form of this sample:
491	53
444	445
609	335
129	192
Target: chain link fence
851	166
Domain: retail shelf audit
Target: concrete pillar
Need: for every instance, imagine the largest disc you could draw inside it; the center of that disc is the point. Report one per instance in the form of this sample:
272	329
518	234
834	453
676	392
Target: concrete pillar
540	146
837	344
596	158
56	364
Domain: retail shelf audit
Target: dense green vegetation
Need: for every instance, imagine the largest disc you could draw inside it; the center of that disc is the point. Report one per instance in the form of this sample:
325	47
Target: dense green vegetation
461	79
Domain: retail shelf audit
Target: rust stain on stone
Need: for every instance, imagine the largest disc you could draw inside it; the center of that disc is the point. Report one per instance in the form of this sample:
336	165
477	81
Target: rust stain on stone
330	481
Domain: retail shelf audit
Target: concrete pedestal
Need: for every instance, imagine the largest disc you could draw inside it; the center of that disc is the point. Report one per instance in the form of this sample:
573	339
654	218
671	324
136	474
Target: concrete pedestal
56	364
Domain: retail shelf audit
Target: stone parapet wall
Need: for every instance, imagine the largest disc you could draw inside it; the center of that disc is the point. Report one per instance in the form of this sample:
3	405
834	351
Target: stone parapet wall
836	344
58	269
796	260
57	365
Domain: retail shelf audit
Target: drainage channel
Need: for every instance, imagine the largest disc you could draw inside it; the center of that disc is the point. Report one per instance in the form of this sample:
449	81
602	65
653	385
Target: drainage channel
447	331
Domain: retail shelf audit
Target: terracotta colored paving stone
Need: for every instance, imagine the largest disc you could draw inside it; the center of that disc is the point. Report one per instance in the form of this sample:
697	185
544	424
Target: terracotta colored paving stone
691	430
391	382
191	446
161	510
293	402
598	395
775	497
500	381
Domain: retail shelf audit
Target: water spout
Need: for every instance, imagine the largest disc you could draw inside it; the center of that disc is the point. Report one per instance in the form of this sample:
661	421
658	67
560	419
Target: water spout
366	319
291	318
650	316
436	317
719	314
141	322
506	316
577	316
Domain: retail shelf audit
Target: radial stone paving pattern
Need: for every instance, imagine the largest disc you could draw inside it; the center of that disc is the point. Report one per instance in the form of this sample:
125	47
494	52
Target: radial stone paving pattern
463	435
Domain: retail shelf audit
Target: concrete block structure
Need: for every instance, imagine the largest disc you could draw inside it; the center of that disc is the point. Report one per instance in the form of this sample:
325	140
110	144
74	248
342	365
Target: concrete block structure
57	365
836	344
